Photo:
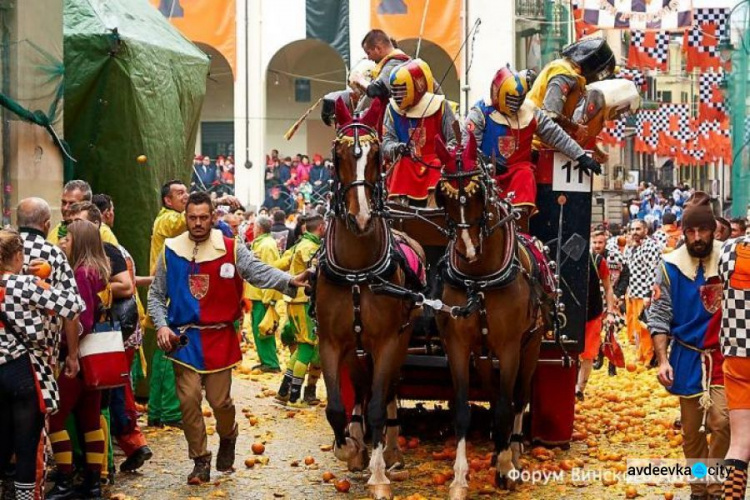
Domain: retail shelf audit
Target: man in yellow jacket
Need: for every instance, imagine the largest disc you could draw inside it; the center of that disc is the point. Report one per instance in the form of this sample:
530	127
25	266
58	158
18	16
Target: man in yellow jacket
562	83
265	249
300	323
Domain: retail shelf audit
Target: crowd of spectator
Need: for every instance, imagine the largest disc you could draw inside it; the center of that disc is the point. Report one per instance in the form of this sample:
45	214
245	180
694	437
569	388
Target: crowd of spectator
215	177
295	183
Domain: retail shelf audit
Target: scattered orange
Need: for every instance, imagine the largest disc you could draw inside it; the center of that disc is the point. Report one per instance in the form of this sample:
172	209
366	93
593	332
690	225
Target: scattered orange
631	492
258	448
342	485
328	476
309	460
668	495
142	159
413	443
439	479
250	463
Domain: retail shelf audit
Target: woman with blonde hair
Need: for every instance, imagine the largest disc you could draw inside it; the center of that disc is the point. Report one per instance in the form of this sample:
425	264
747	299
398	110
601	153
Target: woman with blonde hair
27	388
83	246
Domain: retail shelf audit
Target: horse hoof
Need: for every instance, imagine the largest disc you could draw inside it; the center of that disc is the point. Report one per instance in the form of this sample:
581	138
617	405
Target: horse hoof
347	452
504	482
459	493
394	459
359	461
381	491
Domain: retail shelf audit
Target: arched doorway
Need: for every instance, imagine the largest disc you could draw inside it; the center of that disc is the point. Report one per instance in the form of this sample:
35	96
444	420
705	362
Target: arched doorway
440	63
216	135
298	75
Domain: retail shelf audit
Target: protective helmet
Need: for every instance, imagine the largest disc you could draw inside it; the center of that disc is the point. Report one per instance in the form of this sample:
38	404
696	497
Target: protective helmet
508	90
410	82
595	58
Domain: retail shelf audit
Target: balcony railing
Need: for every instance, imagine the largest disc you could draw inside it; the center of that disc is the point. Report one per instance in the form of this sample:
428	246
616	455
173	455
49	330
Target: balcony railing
530	8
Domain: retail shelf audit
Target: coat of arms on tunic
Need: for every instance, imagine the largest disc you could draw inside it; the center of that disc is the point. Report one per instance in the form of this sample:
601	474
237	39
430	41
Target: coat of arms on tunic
198	284
507	145
418	138
711	295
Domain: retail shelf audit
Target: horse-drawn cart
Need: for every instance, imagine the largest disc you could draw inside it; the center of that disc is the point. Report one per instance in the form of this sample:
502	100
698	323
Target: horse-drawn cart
564	201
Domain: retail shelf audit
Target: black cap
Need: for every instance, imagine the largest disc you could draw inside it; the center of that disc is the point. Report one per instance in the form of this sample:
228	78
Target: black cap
594	56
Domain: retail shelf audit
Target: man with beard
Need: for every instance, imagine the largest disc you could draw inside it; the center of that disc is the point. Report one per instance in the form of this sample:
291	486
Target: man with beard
196	295
687	308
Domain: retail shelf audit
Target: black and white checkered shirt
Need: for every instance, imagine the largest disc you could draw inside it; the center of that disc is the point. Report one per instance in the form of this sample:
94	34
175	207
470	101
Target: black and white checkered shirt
35	246
26	303
642	261
735	321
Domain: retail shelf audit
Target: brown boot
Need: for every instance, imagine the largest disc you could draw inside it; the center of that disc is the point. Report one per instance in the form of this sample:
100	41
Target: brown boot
225	456
201	471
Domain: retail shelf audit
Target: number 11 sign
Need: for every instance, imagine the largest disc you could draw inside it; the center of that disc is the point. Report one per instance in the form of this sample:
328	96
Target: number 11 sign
567	177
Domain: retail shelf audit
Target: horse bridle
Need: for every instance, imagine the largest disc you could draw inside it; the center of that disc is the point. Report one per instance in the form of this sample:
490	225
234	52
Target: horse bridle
377	194
486	184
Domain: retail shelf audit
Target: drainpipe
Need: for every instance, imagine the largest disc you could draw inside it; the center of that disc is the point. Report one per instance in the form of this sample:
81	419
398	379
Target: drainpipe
248	163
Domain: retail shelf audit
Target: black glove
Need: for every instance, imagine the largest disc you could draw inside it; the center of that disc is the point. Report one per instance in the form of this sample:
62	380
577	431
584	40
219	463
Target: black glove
588	165
403	150
378	88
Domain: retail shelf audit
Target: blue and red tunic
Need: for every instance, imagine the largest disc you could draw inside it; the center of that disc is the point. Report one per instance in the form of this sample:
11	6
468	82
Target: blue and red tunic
205	299
411	178
513	145
696	322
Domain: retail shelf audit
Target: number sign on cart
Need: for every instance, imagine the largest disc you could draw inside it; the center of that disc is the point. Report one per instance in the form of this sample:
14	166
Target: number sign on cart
567	177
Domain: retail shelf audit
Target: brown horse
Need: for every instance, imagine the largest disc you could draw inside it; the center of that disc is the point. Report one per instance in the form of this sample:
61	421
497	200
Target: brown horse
363	332
486	269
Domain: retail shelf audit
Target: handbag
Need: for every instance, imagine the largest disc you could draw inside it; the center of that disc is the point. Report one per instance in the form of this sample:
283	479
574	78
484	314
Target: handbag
611	349
102	357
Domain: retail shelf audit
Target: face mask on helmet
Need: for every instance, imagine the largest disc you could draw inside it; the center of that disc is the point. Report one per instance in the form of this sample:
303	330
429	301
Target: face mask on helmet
508	91
593	56
410	82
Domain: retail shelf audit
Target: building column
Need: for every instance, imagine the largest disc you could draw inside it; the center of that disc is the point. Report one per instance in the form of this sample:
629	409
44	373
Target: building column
36	167
249	105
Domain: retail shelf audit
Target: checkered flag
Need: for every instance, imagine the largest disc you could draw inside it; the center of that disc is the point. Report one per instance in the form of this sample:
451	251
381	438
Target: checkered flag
634	75
649	49
674	15
673	124
582	29
710	97
646	131
701	42
613	132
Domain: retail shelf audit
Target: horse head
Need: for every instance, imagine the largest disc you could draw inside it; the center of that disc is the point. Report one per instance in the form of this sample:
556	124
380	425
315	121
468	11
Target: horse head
462	193
356	166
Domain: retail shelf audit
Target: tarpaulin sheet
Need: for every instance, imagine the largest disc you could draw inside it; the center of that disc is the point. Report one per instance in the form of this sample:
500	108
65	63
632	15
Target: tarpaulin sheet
133	86
328	21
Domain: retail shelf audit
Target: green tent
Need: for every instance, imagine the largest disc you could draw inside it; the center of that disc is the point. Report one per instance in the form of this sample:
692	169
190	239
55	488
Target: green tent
133	86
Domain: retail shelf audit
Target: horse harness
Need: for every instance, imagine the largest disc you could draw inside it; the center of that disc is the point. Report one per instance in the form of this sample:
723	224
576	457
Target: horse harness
375	276
468	182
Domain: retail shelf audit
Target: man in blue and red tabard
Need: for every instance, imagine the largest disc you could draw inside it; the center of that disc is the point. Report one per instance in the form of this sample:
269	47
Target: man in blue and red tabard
414	117
194	301
686	306
504	126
